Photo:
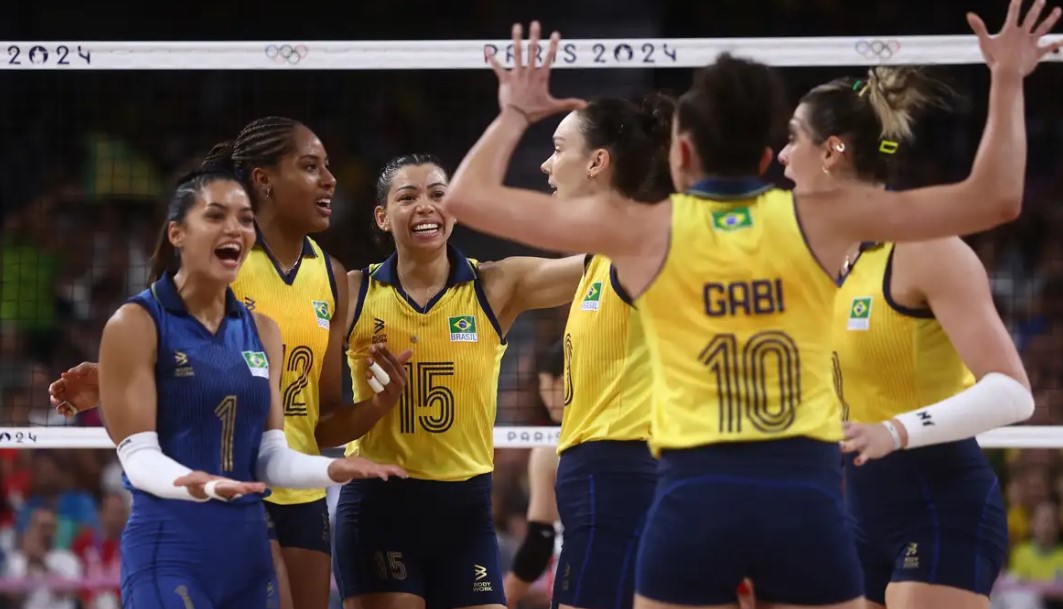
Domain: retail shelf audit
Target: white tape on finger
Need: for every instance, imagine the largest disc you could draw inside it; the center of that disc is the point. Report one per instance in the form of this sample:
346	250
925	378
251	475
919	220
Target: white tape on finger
375	385
381	376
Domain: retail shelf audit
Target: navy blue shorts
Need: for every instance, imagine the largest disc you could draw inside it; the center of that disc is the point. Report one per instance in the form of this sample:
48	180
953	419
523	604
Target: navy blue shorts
300	525
933	514
179	564
770	511
604	490
432	539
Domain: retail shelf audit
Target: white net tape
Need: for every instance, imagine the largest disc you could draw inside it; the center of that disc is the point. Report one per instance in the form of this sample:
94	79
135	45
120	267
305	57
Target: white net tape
471	54
1031	436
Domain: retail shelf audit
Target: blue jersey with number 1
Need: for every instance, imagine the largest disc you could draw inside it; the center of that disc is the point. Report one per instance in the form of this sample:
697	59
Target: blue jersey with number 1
213	399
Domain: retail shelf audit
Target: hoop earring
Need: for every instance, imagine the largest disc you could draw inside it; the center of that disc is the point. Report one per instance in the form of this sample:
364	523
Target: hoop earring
825	170
840	147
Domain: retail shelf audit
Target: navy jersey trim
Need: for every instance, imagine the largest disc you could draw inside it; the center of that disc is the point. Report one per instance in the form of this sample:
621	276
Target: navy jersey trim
289	277
587	261
481	297
730	189
153	312
887	277
461	271
614	281
332	280
363	289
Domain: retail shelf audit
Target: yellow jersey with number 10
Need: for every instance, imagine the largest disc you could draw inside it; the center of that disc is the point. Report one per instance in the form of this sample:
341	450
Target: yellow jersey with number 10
302	303
738	323
889	359
607	364
443	426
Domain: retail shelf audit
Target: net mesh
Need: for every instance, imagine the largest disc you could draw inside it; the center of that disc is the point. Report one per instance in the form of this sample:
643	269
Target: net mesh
94	133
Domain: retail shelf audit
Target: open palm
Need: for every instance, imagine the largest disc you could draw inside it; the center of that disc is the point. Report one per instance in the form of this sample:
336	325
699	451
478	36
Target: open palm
1017	47
526	88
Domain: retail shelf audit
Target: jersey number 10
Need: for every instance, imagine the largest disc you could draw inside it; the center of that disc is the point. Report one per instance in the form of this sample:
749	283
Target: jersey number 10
425	391
746	377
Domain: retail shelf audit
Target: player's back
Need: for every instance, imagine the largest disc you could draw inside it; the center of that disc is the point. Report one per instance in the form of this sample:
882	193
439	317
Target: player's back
738	323
213	399
745	419
302	302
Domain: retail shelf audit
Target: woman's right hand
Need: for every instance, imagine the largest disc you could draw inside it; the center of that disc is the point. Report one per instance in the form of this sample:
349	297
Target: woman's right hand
225	488
77	389
1016	49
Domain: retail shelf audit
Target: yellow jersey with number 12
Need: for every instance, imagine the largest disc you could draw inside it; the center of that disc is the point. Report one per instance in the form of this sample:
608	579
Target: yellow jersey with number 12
738	323
889	359
302	303
443	426
607	364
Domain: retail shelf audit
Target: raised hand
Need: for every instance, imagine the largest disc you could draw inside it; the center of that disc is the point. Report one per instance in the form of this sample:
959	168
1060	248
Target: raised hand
224	488
357	468
77	389
526	88
1017	47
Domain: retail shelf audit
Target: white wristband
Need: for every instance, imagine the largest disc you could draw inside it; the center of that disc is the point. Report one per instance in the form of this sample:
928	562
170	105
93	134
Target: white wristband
893	433
994	401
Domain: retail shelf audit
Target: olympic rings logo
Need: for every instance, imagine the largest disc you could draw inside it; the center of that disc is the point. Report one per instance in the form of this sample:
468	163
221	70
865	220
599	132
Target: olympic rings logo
287	53
877	49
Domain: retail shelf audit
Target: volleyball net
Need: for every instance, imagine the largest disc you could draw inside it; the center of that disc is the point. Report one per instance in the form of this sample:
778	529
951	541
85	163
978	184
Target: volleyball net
95	132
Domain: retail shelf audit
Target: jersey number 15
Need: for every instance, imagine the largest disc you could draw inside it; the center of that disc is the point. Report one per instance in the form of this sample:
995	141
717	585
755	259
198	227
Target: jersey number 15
425	392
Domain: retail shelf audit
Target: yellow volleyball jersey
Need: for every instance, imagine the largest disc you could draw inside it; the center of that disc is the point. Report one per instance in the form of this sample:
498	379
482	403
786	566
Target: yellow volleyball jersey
607	364
738	323
443	426
889	359
302	303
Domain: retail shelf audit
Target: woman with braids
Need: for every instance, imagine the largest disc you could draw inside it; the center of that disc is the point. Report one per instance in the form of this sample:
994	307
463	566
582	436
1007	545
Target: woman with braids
734	282
284	168
914	326
430	541
190	386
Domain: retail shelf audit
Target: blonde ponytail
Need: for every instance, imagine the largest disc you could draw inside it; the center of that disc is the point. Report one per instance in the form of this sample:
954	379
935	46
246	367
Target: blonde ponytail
897	94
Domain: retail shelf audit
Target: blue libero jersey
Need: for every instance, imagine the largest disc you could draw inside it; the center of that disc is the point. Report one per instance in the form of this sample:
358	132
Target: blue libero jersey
213	397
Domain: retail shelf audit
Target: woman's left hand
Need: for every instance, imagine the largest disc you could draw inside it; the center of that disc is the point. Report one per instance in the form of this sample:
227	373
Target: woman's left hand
872	441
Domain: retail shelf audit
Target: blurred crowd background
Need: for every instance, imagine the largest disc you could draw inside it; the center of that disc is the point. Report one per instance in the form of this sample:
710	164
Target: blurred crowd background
88	157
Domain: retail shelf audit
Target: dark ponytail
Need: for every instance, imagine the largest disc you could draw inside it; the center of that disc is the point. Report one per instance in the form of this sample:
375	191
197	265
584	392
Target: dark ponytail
637	136
166	258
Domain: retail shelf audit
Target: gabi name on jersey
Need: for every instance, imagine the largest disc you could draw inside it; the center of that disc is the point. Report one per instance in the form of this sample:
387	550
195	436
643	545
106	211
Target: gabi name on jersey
755	297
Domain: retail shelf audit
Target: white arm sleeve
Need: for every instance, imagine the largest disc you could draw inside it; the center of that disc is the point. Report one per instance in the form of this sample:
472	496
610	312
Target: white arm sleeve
151	471
280	466
994	401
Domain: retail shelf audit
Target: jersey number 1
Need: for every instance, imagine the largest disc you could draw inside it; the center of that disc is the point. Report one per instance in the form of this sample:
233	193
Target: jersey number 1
743	382
226	411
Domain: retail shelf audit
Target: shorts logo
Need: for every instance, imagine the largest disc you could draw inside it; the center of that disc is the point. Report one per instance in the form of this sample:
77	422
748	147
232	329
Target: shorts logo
860	313
463	329
257	363
322	313
911	556
592	299
729	220
480	573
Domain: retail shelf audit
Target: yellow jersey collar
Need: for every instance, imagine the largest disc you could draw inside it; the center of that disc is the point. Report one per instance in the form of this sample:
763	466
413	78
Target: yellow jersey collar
727	189
461	269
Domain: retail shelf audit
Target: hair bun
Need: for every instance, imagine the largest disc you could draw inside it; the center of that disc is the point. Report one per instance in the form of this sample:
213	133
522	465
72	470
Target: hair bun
657	110
219	159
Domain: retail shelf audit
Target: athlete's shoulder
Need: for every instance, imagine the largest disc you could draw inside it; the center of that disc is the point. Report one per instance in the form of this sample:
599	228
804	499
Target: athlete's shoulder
937	260
267	328
133	323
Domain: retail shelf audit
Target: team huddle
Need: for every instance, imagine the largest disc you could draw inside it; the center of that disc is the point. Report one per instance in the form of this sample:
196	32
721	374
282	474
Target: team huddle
762	387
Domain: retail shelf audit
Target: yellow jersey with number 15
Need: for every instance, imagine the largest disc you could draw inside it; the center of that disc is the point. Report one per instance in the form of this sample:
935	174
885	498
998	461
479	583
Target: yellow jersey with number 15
889	359
443	426
738	323
607	364
302	303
